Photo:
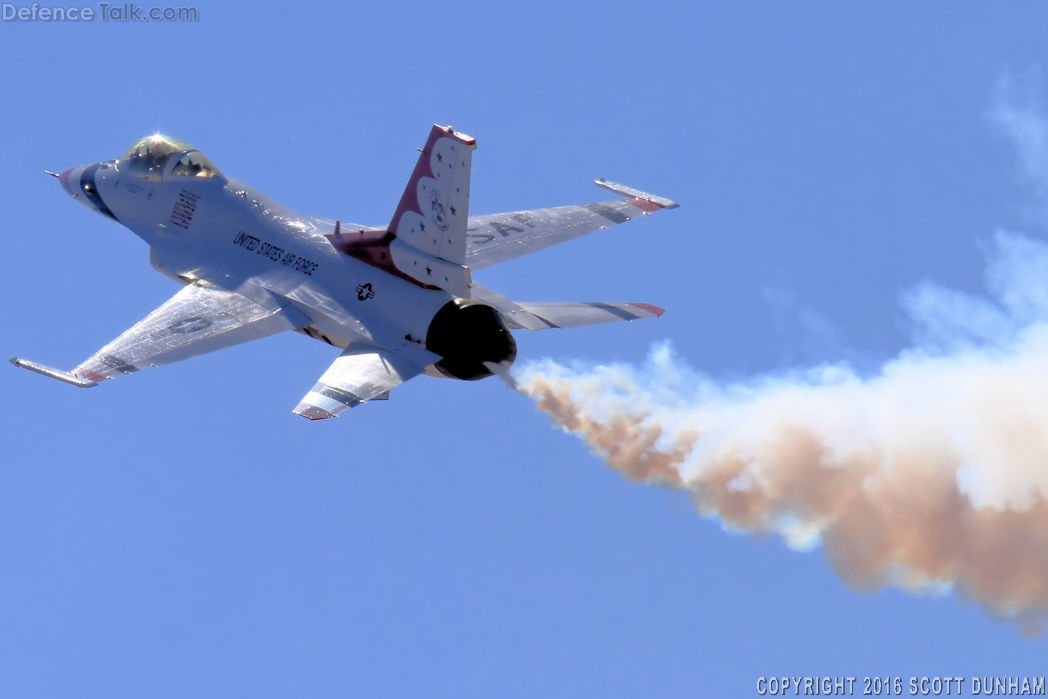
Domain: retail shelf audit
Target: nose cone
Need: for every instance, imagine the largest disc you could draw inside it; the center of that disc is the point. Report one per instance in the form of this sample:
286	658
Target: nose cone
70	180
80	183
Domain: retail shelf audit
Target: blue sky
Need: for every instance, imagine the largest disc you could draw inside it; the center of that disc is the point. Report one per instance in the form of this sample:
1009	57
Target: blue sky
181	533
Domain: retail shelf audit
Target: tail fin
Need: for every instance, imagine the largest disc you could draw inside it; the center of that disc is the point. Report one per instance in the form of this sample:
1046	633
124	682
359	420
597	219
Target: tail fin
434	209
429	224
426	240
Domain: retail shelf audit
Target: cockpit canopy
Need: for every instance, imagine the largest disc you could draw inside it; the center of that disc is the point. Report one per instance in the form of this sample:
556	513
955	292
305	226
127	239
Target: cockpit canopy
160	157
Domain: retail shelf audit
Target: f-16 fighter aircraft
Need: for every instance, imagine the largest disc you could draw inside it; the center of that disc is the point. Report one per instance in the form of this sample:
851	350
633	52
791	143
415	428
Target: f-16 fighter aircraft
399	301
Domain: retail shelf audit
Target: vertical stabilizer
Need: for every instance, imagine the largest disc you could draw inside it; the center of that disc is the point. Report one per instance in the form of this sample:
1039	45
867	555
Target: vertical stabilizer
433	212
426	239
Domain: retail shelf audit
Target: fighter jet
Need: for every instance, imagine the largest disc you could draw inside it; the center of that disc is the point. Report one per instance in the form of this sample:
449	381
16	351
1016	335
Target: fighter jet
398	300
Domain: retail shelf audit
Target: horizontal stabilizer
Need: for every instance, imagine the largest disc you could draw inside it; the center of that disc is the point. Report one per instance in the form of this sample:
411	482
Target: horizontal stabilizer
362	373
514	314
539	316
573	315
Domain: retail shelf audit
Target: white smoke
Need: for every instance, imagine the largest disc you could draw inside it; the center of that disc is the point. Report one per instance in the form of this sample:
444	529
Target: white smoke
930	475
1019	113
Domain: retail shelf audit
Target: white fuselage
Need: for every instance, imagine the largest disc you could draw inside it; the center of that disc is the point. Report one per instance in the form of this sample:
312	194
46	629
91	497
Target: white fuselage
218	231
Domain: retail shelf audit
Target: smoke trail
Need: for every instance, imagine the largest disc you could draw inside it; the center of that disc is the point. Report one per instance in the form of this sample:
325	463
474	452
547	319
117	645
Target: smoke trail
931	475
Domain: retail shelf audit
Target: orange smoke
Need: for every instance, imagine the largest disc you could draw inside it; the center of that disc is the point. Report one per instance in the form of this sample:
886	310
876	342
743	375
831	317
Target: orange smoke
931	475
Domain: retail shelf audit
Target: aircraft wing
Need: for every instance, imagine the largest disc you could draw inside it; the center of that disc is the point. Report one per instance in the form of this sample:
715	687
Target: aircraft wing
494	238
194	321
362	372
